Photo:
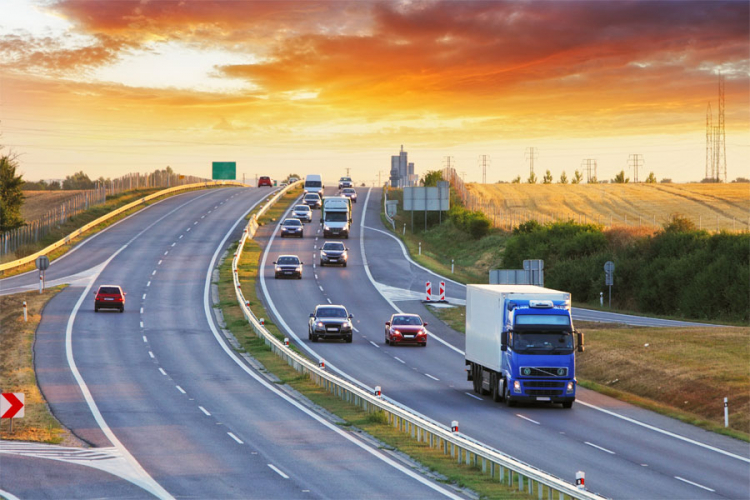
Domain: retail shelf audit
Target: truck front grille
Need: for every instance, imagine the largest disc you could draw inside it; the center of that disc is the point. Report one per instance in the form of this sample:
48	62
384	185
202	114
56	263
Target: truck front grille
540	371
543	392
531	384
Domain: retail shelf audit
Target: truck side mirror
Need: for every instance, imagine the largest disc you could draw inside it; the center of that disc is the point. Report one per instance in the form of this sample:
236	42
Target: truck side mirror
504	341
580	341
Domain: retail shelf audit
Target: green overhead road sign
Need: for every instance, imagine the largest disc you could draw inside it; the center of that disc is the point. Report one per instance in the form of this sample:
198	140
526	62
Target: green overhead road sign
224	170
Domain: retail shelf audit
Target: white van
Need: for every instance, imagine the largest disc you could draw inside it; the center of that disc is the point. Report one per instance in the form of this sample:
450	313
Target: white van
314	184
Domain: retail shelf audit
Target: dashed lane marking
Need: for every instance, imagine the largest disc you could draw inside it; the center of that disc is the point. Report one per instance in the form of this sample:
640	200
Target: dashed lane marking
145	339
151	354
235	438
399	360
527	419
694	484
163	372
180	389
204	411
376	345
277	471
600	448
473	396
433	378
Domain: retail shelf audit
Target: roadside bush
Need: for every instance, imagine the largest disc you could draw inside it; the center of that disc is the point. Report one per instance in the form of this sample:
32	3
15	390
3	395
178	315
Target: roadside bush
476	223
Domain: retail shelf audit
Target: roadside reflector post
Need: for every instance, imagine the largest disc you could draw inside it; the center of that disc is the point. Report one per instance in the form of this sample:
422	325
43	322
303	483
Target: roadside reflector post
428	291
452	265
726	409
247	303
420	248
322	364
286	341
26	318
442	291
262	321
41	282
404	231
378	392
601	299
581	480
454	426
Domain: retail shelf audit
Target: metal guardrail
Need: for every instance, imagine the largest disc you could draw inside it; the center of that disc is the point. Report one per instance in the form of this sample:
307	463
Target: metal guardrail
385	209
104	218
464	449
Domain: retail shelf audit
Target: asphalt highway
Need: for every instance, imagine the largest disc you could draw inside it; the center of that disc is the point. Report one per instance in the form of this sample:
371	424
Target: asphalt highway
157	392
626	452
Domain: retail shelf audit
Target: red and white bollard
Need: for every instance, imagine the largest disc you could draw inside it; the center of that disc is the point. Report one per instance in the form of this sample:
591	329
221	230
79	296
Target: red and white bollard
286	341
322	364
378	392
454	426
428	291
442	291
581	480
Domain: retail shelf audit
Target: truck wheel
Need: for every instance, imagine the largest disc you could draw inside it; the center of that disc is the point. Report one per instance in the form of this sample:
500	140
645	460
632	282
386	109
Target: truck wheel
508	401
475	379
568	405
496	397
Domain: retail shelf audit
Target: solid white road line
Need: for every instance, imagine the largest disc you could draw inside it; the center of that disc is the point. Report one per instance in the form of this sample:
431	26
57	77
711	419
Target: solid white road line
600	448
163	372
205	411
527	418
181	389
277	471
376	345
694	484
399	360
8	495
471	395
151	354
433	378
662	431
235	438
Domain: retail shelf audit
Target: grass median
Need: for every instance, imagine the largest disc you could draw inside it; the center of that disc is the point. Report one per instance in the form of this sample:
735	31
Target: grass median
17	368
353	417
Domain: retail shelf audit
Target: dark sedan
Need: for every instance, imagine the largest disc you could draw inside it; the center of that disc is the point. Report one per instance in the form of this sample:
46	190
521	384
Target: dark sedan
292	227
312	200
330	322
350	193
333	252
288	266
405	329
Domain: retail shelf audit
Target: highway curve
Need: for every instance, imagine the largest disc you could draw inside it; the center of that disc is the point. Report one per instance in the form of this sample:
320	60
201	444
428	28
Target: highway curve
626	452
158	394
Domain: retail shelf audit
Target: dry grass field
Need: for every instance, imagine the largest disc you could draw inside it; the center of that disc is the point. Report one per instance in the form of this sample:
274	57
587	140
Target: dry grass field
707	205
38	203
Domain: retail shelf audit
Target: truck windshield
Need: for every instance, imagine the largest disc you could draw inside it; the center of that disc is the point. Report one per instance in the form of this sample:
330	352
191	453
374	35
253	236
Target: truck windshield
543	319
529	342
336	217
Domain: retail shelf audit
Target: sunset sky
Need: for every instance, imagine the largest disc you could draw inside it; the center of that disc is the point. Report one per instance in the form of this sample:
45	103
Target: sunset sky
113	87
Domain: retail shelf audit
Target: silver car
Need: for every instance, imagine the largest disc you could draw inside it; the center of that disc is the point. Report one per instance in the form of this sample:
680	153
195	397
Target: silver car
303	213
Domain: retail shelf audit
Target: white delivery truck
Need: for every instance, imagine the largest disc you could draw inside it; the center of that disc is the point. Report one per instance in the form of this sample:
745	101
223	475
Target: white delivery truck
520	343
336	216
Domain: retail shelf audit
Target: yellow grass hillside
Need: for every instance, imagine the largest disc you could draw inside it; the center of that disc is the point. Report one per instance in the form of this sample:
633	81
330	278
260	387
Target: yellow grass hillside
726	206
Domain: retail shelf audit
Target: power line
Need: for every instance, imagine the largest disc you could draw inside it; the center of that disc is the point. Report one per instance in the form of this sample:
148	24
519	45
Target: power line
483	162
635	161
531	154
587	165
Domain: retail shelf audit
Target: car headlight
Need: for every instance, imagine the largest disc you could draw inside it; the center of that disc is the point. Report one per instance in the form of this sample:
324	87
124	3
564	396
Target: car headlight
326	228
345	256
299	269
396	332
569	389
278	269
516	386
320	324
323	253
346	324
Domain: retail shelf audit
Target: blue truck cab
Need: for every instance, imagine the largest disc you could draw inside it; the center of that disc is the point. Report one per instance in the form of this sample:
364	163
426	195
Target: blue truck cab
521	344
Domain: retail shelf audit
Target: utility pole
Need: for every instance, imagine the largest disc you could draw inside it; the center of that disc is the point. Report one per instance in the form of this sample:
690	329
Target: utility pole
347	171
463	174
483	161
531	154
587	165
379	172
635	161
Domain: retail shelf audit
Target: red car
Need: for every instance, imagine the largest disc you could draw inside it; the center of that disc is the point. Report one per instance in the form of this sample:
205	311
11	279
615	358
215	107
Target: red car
109	297
264	181
405	329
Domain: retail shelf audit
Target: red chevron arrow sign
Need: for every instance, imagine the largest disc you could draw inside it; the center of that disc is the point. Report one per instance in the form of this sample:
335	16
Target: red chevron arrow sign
11	405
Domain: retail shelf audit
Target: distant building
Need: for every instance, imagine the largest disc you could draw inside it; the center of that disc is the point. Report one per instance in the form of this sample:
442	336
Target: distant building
402	172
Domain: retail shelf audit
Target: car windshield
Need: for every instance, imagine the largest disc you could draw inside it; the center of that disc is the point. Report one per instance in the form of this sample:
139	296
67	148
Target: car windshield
334	246
336	217
292	222
541	341
332	312
312	196
348	191
406	320
109	290
346	178
288	261
301	208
